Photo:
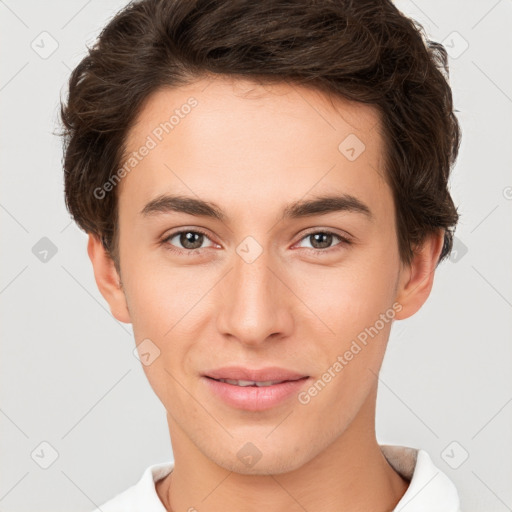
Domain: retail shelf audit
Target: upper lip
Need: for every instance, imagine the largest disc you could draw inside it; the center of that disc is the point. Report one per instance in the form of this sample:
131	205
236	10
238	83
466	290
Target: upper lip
257	375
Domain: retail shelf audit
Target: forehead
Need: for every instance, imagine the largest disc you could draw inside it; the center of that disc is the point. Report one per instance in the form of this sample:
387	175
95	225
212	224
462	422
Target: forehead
239	142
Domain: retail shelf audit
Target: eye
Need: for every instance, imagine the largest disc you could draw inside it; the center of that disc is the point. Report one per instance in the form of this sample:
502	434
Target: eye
190	241
186	240
321	241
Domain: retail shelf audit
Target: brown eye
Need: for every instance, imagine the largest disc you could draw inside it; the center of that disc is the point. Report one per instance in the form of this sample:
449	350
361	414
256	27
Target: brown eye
186	241
191	239
323	241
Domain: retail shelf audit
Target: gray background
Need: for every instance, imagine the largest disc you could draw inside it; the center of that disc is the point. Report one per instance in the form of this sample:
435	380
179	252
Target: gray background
68	374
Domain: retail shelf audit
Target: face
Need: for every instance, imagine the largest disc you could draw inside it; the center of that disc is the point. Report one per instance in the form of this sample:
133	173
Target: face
252	279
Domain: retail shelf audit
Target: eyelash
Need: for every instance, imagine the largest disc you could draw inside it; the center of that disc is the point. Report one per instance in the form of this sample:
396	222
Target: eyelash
193	252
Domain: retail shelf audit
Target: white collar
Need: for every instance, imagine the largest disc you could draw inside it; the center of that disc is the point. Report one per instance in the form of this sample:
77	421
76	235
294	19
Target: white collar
430	490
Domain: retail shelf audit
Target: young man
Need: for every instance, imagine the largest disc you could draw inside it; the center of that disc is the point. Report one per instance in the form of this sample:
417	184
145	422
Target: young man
264	185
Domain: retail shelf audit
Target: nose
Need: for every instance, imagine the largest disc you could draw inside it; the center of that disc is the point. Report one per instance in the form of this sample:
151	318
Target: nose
255	305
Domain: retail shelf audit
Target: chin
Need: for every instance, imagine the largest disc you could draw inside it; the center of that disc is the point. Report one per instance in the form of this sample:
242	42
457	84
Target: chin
251	461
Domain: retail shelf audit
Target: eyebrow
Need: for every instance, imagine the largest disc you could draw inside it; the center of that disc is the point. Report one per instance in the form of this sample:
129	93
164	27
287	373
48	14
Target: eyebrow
319	205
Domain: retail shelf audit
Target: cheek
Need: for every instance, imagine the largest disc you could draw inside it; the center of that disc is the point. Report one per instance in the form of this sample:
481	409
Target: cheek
162	309
167	306
352	298
356	303
152	306
351	304
158	296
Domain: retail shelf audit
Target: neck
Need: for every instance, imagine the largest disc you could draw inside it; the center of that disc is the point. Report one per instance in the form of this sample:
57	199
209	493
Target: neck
352	471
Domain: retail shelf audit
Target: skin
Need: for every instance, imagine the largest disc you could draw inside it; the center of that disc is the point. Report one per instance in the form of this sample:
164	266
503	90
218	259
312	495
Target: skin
253	149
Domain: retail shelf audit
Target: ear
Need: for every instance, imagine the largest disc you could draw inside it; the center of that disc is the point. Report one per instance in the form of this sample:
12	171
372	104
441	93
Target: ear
417	278
108	279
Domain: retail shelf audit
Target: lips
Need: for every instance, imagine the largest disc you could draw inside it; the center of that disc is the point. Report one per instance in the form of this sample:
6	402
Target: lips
244	383
254	390
258	376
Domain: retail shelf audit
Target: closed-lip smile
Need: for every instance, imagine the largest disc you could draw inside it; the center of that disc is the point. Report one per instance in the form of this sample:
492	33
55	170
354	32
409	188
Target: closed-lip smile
254	389
271	373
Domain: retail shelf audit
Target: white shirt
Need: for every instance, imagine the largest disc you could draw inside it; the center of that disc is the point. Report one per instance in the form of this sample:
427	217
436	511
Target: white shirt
430	490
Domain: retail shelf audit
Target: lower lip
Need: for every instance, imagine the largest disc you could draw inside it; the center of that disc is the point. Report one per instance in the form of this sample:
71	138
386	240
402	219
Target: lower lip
253	398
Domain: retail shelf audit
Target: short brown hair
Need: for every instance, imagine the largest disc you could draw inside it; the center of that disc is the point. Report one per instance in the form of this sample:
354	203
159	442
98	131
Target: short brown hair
365	51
